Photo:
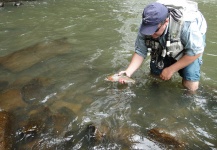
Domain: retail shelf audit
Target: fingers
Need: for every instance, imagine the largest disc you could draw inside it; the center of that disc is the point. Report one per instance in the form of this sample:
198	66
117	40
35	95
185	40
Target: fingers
121	80
164	78
122	72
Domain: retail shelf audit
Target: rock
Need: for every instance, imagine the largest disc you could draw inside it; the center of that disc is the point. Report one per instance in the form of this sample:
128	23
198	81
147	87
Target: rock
161	136
11	99
94	134
98	135
5	131
20	82
71	106
36	90
3	85
27	57
43	123
58	123
30	130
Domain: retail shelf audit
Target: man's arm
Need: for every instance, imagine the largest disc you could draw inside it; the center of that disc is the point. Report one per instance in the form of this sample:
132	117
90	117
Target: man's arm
181	63
133	66
138	57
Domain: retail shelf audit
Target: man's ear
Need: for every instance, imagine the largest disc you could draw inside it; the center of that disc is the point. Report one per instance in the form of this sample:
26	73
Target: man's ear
167	21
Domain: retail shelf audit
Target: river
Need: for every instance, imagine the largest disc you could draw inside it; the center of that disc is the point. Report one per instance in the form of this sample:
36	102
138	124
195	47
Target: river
64	93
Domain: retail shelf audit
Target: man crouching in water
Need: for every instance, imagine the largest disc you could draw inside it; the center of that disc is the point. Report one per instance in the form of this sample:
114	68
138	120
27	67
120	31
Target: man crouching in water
174	40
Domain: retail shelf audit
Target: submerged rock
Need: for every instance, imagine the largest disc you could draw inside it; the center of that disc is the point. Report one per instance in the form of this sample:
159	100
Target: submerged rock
27	57
76	108
36	90
5	131
161	136
30	130
3	85
33	125
101	135
94	134
42	128
11	99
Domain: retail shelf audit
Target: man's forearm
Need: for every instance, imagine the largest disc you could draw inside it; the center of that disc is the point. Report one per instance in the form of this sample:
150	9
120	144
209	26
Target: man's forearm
183	62
134	64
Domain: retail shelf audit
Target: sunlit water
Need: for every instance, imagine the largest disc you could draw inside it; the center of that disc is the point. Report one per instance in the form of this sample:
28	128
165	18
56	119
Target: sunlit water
102	34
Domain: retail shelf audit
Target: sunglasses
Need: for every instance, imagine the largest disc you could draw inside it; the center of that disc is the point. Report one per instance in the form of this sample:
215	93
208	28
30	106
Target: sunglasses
162	23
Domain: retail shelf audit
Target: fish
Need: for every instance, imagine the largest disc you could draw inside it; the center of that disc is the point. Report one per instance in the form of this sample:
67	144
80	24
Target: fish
117	77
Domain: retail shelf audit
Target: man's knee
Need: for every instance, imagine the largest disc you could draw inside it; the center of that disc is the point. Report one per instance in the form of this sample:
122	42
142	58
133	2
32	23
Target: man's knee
190	85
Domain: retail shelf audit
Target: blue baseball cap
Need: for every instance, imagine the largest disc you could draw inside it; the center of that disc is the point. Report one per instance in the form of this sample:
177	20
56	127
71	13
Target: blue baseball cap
152	15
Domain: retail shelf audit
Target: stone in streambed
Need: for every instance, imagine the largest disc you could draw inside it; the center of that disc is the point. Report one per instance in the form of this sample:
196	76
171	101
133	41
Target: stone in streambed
27	57
160	135
11	99
36	90
5	131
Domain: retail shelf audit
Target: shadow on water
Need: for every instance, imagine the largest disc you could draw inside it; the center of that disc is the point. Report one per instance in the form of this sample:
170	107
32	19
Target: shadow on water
53	92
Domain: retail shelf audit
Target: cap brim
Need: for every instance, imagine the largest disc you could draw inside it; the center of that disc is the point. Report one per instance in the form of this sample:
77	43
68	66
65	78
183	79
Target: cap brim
148	30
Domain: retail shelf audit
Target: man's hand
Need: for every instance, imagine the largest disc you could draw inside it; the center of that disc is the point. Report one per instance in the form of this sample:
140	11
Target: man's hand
133	66
166	74
121	80
122	72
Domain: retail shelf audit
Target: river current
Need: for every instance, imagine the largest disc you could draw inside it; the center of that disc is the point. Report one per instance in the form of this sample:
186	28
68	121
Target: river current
57	55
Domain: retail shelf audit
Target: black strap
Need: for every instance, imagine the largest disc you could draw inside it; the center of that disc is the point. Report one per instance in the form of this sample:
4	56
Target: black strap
179	54
175	13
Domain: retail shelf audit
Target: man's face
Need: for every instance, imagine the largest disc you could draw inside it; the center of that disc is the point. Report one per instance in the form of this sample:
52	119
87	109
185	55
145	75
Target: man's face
160	30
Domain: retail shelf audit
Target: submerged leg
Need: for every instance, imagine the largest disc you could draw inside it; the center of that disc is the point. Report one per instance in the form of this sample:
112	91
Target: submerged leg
190	85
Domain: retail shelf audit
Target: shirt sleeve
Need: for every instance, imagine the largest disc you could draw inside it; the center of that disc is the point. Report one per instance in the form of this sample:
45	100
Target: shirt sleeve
140	47
192	39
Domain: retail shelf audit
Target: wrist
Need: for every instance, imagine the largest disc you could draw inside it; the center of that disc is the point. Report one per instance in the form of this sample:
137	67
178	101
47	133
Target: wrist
172	69
128	73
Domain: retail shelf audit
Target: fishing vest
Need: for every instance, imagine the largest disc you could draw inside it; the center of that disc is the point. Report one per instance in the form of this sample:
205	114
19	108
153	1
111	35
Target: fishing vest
179	12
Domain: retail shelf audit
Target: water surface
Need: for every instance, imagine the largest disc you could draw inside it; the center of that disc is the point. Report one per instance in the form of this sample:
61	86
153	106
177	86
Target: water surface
69	91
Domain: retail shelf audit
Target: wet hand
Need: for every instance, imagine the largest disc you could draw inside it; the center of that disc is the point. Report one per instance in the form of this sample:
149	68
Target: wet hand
121	80
166	74
121	73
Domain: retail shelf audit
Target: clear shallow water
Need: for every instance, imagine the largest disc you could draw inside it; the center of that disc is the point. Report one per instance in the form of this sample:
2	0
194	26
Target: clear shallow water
69	91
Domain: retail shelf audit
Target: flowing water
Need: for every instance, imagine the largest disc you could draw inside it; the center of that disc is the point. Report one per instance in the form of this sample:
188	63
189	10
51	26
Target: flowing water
64	93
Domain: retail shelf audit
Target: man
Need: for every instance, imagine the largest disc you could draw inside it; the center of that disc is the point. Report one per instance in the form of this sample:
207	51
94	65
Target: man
174	40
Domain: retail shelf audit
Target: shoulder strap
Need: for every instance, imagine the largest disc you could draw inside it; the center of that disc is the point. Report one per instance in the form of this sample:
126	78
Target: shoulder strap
185	6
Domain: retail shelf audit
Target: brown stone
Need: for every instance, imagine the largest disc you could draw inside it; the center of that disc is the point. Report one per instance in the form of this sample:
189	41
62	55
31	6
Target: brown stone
11	99
71	106
5	131
3	85
36	90
42	121
25	58
98	134
160	135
